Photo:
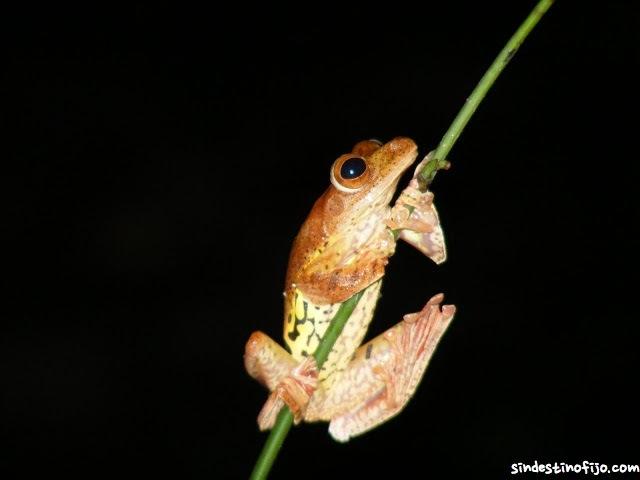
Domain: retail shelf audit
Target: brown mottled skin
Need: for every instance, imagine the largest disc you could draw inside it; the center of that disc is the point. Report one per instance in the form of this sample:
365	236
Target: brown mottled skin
321	263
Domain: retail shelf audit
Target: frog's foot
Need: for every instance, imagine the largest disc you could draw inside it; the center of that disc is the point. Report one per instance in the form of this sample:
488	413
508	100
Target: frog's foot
416	217
383	375
294	390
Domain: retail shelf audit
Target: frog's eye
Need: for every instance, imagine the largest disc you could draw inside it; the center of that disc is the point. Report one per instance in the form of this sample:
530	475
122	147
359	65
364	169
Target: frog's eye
352	168
349	173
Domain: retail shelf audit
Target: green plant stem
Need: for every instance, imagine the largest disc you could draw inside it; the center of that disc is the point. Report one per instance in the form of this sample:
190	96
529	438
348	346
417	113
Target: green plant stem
439	162
425	177
272	445
285	418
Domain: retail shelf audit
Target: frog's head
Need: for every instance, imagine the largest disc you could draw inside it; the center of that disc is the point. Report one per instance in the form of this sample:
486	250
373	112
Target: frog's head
331	258
367	177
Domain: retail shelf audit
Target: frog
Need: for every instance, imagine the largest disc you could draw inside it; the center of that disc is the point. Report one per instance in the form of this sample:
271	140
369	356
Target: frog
342	248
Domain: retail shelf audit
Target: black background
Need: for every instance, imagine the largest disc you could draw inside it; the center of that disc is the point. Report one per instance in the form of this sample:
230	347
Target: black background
160	164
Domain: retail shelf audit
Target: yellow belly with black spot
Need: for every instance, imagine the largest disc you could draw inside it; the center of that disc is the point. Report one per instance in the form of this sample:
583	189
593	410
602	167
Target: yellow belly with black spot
306	323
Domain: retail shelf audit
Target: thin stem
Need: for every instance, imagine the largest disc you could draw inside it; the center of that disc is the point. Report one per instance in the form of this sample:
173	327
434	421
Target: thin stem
426	176
335	329
273	444
439	161
285	418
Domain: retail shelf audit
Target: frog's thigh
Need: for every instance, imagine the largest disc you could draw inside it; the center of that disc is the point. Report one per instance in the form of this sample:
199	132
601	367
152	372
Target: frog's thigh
383	375
266	361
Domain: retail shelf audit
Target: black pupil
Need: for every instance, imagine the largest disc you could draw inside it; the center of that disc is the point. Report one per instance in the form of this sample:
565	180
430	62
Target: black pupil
352	168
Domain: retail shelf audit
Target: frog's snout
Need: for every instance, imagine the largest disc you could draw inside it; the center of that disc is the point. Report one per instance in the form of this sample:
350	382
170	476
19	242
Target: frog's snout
402	146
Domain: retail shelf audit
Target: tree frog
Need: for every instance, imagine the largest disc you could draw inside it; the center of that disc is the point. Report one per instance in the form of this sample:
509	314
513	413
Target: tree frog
341	249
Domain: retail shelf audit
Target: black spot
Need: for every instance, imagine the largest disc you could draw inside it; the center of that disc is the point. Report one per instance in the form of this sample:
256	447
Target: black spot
293	334
304	353
368	354
299	321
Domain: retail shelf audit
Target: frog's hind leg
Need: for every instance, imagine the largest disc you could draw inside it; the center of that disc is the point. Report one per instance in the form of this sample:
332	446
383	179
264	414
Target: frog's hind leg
266	361
383	374
290	382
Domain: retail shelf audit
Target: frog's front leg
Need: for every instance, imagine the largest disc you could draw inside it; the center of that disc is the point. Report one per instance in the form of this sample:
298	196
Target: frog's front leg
415	216
383	374
290	382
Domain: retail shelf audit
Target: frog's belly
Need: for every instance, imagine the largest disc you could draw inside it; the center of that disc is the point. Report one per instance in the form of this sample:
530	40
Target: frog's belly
306	323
